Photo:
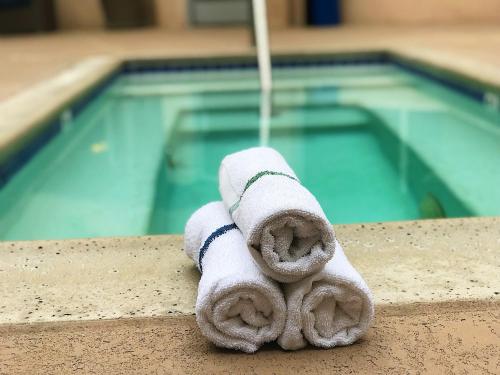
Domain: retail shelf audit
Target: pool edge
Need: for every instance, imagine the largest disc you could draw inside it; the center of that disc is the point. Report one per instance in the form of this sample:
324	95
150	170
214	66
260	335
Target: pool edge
404	263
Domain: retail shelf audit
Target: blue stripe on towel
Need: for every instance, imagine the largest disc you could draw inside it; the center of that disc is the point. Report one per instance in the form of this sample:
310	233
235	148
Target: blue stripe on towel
217	233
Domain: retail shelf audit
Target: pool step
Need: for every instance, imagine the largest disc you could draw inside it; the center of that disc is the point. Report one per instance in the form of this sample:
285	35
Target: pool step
212	84
443	142
285	118
457	138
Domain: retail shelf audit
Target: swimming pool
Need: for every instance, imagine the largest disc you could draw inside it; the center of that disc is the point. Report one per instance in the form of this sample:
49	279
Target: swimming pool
372	140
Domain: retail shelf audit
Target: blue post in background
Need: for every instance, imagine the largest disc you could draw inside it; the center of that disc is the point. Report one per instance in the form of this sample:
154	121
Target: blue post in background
323	12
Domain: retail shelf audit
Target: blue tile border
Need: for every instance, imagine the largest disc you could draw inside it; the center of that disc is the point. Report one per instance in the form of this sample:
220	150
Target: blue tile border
81	103
137	67
445	78
13	164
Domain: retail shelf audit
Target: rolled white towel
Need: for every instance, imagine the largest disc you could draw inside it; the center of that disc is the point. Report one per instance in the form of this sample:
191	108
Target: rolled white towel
331	308
237	307
284	226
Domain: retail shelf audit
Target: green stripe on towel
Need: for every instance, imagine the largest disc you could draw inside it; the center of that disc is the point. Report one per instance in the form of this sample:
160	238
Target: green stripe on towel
252	180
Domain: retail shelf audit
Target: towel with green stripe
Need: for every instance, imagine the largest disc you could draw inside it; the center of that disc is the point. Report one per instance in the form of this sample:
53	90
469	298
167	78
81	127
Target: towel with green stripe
237	306
285	228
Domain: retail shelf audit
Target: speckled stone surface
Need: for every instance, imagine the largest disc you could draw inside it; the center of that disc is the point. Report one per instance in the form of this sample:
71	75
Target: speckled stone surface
441	338
95	279
403	263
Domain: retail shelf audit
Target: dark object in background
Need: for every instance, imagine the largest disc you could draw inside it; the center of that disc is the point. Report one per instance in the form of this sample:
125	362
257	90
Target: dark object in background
26	16
122	14
323	12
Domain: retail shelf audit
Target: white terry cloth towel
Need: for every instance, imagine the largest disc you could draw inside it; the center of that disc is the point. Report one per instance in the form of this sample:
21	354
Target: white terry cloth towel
237	307
284	226
331	308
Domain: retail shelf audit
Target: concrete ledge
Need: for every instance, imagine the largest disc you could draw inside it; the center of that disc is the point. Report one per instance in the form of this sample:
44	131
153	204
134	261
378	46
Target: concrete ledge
437	338
109	278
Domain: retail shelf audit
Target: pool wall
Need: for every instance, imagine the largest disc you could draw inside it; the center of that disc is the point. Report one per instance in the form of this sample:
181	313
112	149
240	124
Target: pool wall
433	190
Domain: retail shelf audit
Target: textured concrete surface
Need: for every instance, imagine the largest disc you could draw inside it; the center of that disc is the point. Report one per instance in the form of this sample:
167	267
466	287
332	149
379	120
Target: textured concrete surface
405	262
450	338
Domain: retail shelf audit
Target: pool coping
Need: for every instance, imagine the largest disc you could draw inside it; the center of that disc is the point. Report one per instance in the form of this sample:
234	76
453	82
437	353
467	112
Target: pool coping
405	264
23	116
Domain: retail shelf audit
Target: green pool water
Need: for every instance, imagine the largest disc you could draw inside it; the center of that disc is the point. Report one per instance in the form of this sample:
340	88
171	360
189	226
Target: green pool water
372	142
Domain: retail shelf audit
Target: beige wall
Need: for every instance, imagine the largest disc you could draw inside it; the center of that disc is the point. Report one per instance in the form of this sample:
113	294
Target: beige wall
420	11
278	13
298	12
172	14
79	14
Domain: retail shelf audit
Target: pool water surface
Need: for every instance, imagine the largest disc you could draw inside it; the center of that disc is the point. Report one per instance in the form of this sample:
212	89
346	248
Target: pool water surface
373	142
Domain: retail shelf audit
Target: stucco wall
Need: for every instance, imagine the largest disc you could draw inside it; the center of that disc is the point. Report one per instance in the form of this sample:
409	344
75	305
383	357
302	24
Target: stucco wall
278	13
86	14
173	14
420	12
